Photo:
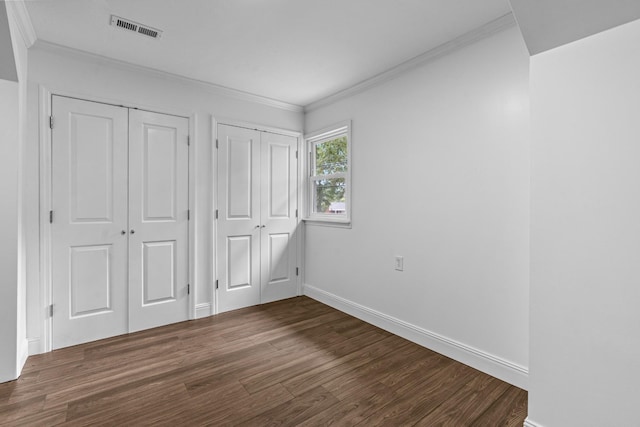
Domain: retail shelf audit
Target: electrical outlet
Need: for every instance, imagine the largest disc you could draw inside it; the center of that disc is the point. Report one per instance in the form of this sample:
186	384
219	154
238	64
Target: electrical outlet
399	263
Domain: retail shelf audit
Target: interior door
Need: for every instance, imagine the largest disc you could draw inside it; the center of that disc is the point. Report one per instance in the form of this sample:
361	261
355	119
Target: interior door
278	213
158	219
238	224
89	219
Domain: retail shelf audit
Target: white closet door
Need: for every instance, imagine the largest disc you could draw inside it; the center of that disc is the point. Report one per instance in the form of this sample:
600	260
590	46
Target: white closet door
279	205
238	225
89	202
158	222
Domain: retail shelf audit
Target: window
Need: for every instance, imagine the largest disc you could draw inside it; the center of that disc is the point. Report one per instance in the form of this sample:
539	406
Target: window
329	178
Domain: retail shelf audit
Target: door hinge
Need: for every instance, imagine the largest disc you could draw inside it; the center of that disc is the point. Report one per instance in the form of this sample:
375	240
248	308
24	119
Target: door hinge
188	289
188	214
296	213
296	154
216	213
50	217
216	283
51	122
51	310
297	271
188	140
216	142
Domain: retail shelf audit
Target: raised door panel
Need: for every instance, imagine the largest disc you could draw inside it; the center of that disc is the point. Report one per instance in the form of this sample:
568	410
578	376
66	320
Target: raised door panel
239	256
158	219
277	257
279	185
91	283
159	272
91	145
89	203
160	153
239	177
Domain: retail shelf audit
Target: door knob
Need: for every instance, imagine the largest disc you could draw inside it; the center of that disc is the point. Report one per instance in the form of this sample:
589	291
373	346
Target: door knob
257	226
123	232
263	226
132	231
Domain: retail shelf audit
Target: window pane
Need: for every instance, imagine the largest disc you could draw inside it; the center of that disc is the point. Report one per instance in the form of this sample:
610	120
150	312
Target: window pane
329	196
331	156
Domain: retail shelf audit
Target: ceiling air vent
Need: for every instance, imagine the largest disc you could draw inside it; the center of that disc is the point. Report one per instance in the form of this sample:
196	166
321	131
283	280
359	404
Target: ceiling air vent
136	27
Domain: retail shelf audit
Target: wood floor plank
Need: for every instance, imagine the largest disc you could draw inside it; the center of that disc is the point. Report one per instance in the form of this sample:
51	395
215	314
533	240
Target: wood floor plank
466	404
350	412
295	410
417	402
507	411
340	366
230	411
292	362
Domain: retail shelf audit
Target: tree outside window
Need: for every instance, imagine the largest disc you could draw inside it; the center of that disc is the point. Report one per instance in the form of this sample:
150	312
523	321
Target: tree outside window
329	175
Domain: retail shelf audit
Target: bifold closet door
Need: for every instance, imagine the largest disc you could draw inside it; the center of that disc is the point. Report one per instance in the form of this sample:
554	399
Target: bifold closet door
119	229
89	221
158	219
257	203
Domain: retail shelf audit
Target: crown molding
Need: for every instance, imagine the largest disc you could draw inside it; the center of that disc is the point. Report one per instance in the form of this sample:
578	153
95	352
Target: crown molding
493	27
124	65
20	14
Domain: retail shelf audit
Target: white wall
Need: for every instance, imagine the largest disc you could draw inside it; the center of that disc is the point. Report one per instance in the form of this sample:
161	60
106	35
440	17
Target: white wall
13	344
441	177
585	232
8	225
60	70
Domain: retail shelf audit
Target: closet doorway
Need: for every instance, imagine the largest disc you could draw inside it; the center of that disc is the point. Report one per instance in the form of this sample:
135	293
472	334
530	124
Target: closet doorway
118	220
257	217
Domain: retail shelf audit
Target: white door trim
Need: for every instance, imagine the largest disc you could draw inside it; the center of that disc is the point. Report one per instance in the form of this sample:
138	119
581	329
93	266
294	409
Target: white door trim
44	112
214	198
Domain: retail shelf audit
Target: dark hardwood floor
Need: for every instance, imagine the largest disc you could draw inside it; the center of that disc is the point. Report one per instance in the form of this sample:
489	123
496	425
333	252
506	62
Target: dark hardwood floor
295	362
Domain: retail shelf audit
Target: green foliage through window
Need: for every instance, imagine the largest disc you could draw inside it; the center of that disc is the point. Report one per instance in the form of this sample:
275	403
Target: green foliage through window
331	158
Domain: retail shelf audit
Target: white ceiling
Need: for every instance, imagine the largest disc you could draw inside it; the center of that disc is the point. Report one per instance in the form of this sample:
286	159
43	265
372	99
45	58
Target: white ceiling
547	24
296	51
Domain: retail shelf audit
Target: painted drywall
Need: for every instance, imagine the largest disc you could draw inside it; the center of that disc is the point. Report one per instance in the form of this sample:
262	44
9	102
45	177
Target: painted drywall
441	177
21	55
13	348
8	224
63	71
585	232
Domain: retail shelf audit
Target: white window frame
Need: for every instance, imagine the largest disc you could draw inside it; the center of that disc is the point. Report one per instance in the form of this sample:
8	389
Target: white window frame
311	140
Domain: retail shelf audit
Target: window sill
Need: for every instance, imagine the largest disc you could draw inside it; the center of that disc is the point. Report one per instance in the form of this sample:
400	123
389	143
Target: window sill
342	223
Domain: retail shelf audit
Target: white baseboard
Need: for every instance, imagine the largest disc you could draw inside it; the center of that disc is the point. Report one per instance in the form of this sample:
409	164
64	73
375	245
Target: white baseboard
34	346
203	310
530	423
485	362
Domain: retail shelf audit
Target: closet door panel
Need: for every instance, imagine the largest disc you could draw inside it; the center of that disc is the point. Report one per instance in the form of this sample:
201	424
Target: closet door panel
238	224
158	219
278	211
89	203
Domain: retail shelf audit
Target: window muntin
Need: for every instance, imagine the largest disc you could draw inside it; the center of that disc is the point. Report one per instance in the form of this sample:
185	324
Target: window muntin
329	175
